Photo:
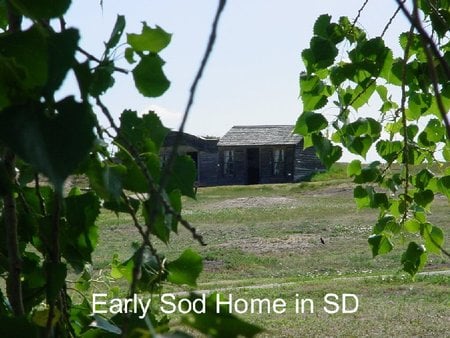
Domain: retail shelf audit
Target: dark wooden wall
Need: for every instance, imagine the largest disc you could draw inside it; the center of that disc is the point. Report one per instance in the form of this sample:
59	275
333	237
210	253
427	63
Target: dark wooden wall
306	163
239	177
266	165
208	168
299	164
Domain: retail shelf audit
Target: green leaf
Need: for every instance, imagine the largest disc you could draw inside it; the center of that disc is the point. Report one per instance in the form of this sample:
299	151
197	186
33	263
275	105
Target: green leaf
362	94
321	25
440	20
149	76
412	225
101	79
389	150
354	168
151	39
433	238
444	185
46	142
381	201
83	283
359	145
25	72
310	122
116	33
326	151
106	179
3	16
105	325
418	104
80	235
18	327
422	179
175	202
185	269
368	174
56	273
135	180
363	196
414	258
411	131
129	55
380	244
386	225
61	57
341	73
42	9
424	198
145	133
320	55
183	176
446	151
84	78
219	324
312	101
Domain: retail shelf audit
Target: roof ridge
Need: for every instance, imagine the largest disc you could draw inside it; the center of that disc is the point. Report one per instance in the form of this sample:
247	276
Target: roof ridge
264	126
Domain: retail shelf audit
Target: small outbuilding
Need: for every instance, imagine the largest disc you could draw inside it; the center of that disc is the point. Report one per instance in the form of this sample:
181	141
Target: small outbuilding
203	152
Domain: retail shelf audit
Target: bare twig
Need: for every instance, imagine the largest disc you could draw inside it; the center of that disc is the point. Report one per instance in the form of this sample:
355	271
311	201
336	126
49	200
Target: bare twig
95	59
37	188
391	19
152	187
404	120
415	21
358	15
53	258
179	136
13	282
432	71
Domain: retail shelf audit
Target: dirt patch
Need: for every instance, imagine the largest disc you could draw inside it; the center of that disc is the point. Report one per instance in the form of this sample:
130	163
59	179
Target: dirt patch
342	189
258	245
211	266
254	202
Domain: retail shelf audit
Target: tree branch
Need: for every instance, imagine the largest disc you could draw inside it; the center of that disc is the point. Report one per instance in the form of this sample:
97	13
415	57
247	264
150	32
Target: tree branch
418	26
13	282
179	136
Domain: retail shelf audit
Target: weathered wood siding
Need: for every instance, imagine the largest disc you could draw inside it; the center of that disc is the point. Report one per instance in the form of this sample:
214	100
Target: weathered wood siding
266	165
239	176
306	163
208	168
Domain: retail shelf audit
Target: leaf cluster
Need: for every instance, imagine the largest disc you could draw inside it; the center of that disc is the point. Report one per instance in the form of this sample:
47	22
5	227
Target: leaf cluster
52	229
409	131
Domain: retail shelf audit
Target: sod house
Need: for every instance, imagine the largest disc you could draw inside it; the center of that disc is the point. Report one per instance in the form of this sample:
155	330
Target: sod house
264	154
248	155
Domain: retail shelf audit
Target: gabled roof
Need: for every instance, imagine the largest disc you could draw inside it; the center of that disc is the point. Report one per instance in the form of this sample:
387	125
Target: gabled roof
260	136
200	143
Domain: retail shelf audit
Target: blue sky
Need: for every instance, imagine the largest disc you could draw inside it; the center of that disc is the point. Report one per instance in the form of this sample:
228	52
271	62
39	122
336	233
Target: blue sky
252	77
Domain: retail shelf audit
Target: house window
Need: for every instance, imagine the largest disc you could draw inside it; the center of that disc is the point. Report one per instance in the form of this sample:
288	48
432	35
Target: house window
278	162
228	162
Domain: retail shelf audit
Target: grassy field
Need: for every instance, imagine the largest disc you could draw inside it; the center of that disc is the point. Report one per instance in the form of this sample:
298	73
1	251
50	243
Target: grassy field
307	239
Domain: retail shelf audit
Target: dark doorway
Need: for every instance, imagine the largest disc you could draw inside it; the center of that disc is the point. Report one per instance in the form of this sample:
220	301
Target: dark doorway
194	156
252	166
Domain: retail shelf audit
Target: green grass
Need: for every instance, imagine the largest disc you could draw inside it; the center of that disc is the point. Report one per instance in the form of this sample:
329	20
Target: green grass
270	234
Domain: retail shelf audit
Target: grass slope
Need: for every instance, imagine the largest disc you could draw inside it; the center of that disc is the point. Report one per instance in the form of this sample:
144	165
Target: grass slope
271	234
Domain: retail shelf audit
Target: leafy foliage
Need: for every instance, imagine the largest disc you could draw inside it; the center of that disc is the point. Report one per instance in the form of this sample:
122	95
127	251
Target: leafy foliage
52	232
409	131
